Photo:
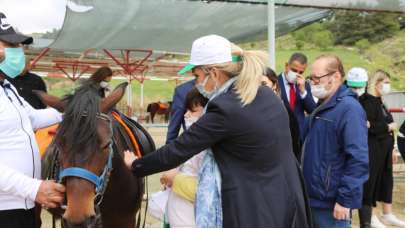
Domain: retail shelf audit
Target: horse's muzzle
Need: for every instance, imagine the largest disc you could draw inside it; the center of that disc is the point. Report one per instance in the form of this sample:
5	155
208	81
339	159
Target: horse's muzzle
91	222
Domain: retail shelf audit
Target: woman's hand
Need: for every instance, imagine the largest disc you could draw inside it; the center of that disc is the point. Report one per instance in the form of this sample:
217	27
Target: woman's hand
167	177
392	126
129	158
395	156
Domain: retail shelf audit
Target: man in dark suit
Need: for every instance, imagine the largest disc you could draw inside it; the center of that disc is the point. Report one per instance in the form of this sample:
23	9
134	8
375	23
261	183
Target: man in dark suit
295	92
178	110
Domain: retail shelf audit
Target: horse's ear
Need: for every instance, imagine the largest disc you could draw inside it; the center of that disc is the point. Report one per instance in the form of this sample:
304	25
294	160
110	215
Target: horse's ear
52	101
109	102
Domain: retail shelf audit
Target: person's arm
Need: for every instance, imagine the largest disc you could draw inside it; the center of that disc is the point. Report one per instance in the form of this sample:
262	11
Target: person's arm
41	118
308	99
15	183
208	130
375	117
353	135
185	186
176	117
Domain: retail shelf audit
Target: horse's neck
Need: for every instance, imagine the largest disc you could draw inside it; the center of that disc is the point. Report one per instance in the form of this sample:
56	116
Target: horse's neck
123	196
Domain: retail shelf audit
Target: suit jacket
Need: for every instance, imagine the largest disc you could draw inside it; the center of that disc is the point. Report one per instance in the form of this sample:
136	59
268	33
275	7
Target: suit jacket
302	105
178	110
262	184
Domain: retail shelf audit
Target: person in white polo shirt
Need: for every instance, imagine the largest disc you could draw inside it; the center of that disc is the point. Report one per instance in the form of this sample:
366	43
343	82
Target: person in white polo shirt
20	165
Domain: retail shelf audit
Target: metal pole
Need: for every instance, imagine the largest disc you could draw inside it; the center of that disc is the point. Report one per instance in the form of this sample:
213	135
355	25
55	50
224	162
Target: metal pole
142	94
271	36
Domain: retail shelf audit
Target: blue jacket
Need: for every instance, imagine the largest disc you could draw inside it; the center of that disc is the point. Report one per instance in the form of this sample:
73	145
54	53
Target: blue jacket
178	110
335	154
302	105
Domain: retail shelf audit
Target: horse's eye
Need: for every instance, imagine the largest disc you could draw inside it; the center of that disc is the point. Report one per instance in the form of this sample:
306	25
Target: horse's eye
107	146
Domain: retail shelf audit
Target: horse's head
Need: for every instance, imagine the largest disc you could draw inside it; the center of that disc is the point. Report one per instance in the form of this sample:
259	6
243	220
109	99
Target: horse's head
84	139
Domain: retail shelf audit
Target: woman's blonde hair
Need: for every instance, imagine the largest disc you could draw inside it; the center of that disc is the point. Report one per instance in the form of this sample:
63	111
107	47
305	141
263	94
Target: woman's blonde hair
378	77
249	71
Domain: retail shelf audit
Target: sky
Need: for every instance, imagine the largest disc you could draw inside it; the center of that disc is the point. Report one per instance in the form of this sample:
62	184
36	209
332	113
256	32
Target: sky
31	16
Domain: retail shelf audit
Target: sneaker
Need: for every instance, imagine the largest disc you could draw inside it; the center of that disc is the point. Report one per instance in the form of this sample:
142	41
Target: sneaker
375	222
391	219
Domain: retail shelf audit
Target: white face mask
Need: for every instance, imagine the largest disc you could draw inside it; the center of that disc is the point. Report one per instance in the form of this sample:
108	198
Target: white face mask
103	84
291	76
188	121
360	91
319	91
205	93
386	88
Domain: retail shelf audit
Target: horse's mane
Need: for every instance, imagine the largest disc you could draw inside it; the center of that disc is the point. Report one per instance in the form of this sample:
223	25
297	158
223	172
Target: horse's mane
77	133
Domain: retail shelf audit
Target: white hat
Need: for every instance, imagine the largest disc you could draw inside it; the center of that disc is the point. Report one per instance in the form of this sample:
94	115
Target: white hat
211	49
357	77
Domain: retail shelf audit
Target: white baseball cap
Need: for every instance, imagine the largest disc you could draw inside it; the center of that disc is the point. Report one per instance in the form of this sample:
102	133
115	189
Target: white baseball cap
211	49
357	77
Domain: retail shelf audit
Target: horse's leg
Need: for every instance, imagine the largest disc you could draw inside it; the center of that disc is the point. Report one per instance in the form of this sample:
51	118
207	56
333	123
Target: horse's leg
152	116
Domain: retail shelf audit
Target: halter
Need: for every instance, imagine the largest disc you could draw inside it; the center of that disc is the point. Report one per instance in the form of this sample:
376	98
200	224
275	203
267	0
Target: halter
101	181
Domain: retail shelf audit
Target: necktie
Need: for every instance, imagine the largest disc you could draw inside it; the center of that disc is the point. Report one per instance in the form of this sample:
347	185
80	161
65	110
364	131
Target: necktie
293	96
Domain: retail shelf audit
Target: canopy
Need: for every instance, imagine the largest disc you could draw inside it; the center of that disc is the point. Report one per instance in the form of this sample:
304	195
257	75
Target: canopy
366	5
169	25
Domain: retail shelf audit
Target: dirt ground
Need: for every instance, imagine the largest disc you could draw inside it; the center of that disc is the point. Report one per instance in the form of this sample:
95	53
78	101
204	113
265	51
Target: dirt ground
159	135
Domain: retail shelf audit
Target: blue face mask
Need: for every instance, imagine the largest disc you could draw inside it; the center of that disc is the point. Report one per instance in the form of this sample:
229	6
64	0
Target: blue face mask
14	62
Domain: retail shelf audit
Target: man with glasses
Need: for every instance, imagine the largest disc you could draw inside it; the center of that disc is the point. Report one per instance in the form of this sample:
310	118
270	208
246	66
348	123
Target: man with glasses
294	90
335	154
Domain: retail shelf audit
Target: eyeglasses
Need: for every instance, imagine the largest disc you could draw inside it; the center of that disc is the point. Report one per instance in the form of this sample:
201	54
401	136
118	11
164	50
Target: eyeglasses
316	79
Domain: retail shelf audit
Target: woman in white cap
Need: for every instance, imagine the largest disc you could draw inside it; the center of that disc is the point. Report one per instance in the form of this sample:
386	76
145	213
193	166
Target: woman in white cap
380	141
249	176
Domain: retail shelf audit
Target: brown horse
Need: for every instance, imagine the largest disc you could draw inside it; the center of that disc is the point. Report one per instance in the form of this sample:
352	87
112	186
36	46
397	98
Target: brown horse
159	108
88	158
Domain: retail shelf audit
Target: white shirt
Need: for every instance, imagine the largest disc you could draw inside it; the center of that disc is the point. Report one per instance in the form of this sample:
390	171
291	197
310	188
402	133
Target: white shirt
20	162
287	88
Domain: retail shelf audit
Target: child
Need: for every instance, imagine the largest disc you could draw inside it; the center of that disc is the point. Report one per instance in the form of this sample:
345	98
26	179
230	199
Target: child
183	180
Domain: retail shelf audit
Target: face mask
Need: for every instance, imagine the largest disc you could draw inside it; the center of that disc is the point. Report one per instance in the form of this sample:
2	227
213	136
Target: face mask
386	89
319	91
291	76
13	63
201	89
188	121
103	84
360	91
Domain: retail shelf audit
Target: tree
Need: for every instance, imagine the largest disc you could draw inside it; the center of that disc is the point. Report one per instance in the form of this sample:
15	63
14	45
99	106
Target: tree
348	27
323	39
362	45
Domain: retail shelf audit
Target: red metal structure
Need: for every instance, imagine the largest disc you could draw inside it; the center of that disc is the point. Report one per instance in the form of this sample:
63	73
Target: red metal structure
78	68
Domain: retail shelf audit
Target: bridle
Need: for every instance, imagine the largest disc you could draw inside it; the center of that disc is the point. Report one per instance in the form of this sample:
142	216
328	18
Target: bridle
101	181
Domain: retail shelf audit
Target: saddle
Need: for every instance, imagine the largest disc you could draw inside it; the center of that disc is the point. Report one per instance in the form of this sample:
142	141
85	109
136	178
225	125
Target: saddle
163	106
